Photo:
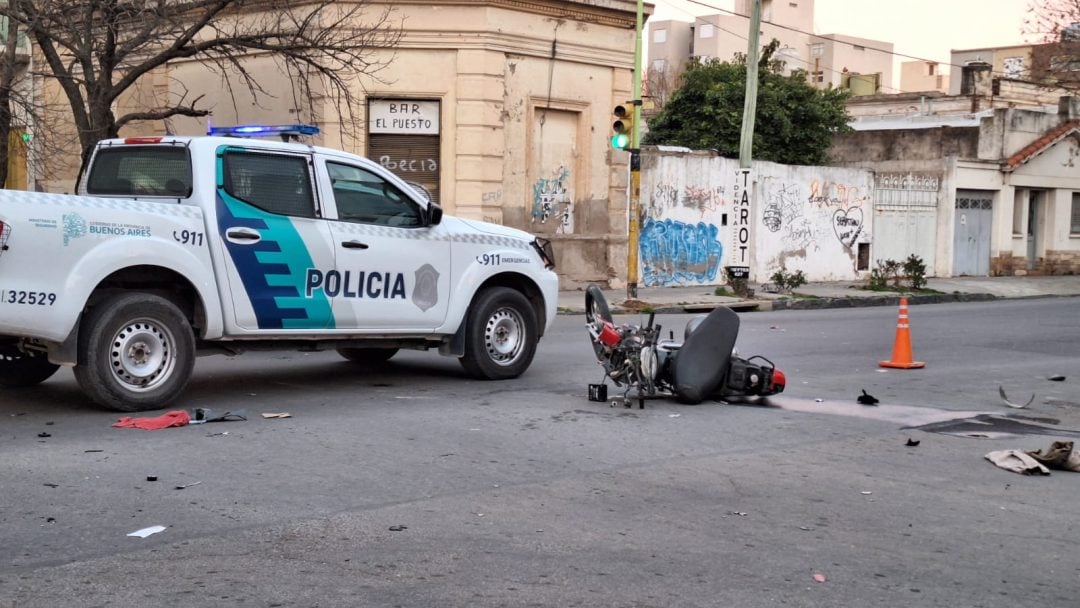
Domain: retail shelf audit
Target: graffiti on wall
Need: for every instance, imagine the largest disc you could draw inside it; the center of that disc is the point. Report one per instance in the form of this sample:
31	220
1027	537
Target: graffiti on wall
551	199
703	199
674	252
785	212
666	196
848	224
835	194
798	217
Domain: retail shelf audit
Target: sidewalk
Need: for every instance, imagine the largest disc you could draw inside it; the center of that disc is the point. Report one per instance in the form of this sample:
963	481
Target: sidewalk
825	295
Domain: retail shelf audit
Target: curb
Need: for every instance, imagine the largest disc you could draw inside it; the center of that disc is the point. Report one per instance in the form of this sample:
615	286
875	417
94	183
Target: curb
797	304
889	300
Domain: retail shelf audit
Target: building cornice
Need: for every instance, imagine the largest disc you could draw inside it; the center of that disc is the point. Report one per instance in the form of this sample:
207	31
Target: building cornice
614	13
514	44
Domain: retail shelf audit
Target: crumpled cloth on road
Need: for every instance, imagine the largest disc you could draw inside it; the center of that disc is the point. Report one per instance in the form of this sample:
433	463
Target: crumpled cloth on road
164	421
1059	455
1017	461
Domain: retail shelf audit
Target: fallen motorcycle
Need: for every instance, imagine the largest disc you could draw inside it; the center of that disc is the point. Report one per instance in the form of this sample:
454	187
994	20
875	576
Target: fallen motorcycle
704	365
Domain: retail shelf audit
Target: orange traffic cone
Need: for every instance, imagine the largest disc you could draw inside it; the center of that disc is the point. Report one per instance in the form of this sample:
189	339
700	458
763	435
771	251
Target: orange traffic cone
901	352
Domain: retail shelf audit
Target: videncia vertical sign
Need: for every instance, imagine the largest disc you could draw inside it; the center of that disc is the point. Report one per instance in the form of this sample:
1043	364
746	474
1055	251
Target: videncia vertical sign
738	258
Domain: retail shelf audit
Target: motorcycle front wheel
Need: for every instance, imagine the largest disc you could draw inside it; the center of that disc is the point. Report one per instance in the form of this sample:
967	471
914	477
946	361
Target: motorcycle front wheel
596	314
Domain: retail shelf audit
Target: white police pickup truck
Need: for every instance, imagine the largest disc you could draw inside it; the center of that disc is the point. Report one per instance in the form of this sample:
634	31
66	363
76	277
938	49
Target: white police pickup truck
175	246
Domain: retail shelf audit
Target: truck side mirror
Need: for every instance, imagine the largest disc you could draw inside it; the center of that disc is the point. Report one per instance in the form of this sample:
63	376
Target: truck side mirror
434	213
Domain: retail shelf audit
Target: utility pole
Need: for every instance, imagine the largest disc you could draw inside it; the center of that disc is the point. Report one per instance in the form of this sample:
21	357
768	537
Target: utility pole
738	268
753	52
634	229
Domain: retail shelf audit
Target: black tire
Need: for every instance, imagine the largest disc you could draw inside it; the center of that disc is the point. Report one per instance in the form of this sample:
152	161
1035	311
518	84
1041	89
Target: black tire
596	306
596	312
136	352
367	356
500	335
19	369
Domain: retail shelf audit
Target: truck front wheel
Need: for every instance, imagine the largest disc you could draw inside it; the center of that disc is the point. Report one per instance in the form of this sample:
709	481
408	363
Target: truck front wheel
136	352
500	335
19	369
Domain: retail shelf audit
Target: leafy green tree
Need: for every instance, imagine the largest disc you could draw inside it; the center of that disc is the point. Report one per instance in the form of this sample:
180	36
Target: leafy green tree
794	124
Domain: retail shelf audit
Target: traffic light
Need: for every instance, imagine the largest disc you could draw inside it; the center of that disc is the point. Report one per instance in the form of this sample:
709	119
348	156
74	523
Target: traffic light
623	127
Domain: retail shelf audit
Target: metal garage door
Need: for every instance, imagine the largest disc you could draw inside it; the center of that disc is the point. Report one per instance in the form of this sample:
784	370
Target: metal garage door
971	246
905	223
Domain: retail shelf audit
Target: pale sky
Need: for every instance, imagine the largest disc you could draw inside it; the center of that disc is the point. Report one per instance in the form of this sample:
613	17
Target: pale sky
927	29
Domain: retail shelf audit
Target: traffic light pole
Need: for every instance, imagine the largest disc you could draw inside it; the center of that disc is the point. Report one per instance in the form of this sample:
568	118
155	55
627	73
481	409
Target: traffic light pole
633	230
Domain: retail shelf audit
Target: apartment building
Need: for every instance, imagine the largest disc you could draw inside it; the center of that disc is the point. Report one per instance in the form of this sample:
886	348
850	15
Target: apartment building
1054	63
1011	62
836	60
917	76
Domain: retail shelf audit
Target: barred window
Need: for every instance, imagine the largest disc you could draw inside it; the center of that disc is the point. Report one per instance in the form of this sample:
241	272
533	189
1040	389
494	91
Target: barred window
1075	229
277	183
129	170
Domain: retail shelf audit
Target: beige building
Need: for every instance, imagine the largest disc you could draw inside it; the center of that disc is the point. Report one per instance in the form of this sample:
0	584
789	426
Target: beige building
1010	62
917	76
993	193
501	109
830	59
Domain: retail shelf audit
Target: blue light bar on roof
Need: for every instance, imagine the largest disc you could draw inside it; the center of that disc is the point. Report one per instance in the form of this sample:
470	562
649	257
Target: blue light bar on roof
264	130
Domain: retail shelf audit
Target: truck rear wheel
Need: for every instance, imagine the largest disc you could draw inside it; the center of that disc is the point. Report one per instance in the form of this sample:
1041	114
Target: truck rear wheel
500	335
19	369
136	352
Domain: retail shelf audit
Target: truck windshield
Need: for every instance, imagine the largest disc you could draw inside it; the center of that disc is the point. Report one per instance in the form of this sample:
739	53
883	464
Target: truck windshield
141	171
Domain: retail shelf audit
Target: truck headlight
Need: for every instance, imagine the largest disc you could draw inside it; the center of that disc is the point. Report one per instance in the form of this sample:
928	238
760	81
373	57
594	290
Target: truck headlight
546	251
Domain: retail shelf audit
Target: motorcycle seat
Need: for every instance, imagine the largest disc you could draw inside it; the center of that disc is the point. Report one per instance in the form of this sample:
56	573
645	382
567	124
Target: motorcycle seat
702	361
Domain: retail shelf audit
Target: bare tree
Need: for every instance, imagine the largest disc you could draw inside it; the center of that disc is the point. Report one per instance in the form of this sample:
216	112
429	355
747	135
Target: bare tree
1056	24
660	83
11	67
97	50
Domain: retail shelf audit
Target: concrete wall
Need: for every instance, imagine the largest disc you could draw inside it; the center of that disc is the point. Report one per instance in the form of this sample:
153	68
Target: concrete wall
1009	130
904	144
813	219
994	93
696	220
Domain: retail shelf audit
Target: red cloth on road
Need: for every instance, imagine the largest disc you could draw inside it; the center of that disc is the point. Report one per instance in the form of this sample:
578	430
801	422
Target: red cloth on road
164	421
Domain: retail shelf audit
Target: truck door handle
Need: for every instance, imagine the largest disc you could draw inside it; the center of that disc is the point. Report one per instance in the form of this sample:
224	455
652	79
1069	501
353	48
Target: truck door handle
243	235
354	245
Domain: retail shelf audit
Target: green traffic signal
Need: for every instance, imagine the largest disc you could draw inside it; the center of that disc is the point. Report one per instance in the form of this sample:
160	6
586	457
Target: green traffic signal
622	127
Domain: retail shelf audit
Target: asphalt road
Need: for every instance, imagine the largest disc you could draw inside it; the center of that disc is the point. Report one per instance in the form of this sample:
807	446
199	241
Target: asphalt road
412	486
